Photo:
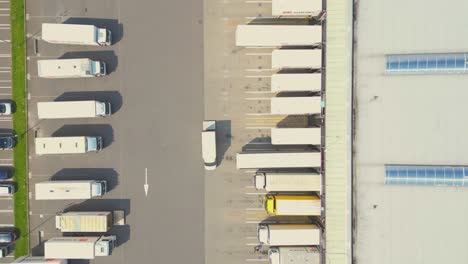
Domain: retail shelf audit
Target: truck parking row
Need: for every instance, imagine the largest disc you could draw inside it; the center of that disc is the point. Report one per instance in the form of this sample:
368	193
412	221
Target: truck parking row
290	171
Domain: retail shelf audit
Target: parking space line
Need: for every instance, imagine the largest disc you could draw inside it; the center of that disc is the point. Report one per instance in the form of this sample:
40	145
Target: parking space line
5	55
6	211
257	76
6	225
257	98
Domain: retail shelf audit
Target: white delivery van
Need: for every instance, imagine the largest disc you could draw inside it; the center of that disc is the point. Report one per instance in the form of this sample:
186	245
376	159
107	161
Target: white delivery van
76	34
70	68
73	109
209	144
70	190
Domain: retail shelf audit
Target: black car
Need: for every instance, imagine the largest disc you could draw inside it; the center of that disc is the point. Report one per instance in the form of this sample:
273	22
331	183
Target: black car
7	142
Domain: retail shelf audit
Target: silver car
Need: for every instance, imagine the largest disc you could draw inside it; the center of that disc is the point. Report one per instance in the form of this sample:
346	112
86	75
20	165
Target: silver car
7	189
6	109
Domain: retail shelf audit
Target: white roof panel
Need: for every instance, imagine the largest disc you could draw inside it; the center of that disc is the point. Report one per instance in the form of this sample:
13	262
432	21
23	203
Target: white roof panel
291	82
296	105
278	35
296	58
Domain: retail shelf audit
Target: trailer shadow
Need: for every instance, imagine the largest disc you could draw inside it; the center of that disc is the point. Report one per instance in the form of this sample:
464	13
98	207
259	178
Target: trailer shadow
223	139
110	175
113	97
87	130
113	25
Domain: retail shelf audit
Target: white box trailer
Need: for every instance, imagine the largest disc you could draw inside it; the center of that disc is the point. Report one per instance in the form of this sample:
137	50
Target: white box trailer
39	260
296	105
296	59
289	234
209	144
294	255
288	182
296	136
70	68
278	35
84	221
76	34
296	7
278	160
79	247
67	145
70	190
73	109
296	82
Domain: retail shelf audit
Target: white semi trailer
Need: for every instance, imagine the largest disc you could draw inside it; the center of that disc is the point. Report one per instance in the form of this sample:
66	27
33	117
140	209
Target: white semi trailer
296	105
70	68
79	247
296	255
296	59
289	234
67	145
88	221
39	260
296	7
70	190
296	82
76	34
278	35
296	136
288	182
73	109
278	160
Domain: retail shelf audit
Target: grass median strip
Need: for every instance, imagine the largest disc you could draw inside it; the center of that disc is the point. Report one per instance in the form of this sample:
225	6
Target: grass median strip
18	52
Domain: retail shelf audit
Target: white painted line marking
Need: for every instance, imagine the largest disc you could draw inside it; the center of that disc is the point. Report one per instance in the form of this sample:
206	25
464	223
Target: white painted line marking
146	186
5	87
5	93
3	9
6	225
6	198
258	76
257	98
6	211
257	54
252	244
260	114
252	260
260	92
5	55
256	193
260	70
5	71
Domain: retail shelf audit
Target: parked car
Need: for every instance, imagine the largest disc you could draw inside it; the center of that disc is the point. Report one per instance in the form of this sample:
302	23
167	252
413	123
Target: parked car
7	142
7	189
6	108
8	236
5	173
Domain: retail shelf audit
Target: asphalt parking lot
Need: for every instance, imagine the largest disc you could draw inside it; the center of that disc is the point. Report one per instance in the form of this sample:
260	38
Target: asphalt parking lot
155	88
237	94
6	125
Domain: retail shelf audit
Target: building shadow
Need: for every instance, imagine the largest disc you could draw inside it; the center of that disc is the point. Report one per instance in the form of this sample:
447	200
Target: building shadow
113	25
113	97
87	130
107	56
110	175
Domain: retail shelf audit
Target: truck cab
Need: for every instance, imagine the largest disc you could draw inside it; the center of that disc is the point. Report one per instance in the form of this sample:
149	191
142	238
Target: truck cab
98	68
104	37
99	188
94	143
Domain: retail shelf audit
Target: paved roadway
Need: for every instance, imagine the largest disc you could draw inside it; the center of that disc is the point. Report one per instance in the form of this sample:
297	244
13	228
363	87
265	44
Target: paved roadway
6	203
156	87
